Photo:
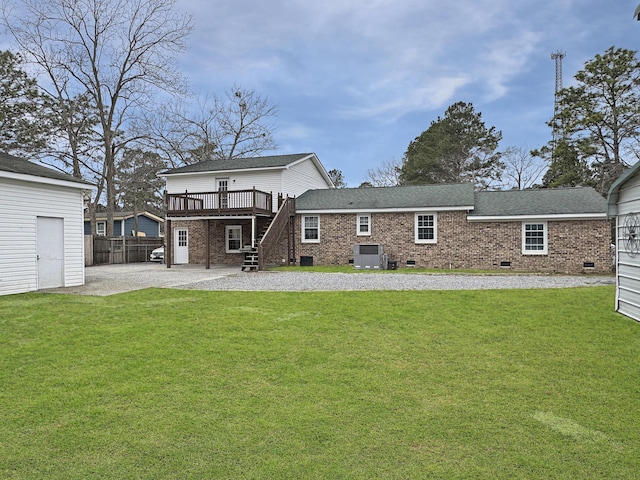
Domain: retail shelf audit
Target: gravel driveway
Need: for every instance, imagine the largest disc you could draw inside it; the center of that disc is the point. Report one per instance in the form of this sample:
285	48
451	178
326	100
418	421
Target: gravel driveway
110	279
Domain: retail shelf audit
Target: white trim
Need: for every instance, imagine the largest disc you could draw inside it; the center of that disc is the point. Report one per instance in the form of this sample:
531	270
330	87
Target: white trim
104	228
368	232
545	230
435	228
541	218
302	223
386	210
227	228
222	172
46	180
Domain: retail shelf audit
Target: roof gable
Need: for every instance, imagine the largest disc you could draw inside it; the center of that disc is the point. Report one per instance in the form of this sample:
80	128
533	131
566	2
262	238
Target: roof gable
449	196
235	164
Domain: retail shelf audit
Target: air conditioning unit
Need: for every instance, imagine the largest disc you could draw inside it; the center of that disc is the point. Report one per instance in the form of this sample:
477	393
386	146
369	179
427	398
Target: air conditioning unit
369	256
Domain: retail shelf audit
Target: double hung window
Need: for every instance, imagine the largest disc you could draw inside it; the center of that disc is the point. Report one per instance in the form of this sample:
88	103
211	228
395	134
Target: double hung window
311	229
363	226
534	238
233	236
426	228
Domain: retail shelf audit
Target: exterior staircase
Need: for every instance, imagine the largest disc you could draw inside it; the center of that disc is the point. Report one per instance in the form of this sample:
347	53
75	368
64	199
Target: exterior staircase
251	260
277	230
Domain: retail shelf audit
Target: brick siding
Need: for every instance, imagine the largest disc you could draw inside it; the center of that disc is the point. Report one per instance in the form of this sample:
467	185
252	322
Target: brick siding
197	240
462	244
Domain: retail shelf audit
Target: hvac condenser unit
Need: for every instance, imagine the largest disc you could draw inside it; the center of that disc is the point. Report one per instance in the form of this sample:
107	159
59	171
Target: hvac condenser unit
369	256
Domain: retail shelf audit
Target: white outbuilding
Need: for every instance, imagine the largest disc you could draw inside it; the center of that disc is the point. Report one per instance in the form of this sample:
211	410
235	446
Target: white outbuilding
624	208
41	227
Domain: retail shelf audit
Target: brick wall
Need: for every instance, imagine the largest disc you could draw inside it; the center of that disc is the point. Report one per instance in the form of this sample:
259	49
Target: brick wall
197	240
462	244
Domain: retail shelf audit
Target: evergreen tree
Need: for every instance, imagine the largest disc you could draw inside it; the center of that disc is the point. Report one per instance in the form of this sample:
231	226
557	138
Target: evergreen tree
24	125
567	169
600	116
456	148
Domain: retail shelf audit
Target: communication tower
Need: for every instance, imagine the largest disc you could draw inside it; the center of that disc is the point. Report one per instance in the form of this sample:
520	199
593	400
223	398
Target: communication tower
557	56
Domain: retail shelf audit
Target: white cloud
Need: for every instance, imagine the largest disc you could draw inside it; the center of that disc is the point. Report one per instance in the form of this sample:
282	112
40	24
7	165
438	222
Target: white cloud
403	99
295	131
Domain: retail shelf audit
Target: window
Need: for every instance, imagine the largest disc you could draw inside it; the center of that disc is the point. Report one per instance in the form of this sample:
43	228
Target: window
426	227
182	238
233	235
101	228
534	238
311	229
363	224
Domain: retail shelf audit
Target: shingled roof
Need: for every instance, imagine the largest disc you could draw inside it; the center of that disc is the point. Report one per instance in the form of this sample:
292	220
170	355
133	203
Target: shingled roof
539	202
578	201
380	198
11	164
273	161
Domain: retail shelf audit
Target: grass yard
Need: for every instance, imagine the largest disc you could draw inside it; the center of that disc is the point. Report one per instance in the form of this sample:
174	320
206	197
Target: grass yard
170	384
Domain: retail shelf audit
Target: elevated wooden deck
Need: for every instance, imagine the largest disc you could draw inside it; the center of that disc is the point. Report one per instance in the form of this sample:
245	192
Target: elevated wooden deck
221	203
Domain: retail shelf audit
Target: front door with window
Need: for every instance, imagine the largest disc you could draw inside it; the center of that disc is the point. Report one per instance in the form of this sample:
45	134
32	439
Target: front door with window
223	186
181	246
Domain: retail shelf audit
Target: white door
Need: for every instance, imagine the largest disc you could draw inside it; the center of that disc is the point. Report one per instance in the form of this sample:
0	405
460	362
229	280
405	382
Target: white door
223	186
181	246
50	252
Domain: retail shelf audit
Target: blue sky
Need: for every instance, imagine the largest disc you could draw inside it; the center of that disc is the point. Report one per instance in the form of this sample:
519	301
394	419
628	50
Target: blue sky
355	81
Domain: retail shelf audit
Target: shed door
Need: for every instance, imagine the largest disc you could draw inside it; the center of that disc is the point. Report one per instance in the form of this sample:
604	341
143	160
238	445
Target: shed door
50	252
181	246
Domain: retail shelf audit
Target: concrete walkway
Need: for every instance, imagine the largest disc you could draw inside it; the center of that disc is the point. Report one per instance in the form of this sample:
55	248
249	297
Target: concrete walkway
105	280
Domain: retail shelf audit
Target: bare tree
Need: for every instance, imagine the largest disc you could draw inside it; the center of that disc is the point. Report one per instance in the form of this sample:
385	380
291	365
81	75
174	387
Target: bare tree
237	125
386	175
522	169
244	127
116	52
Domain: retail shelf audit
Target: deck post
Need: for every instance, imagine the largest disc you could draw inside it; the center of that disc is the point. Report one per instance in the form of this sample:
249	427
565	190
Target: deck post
253	231
255	201
168	234
207	225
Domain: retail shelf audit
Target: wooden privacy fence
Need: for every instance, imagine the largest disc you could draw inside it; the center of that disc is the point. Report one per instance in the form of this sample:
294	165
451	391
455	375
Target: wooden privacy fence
102	250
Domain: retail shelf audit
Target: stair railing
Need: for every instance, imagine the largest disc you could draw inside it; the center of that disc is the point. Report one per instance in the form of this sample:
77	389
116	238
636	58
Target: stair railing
273	236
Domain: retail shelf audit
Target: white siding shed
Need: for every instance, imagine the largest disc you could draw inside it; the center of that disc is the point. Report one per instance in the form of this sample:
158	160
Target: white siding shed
41	227
624	207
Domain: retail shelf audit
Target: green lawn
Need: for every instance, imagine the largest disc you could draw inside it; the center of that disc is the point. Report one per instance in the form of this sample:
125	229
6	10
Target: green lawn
170	384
